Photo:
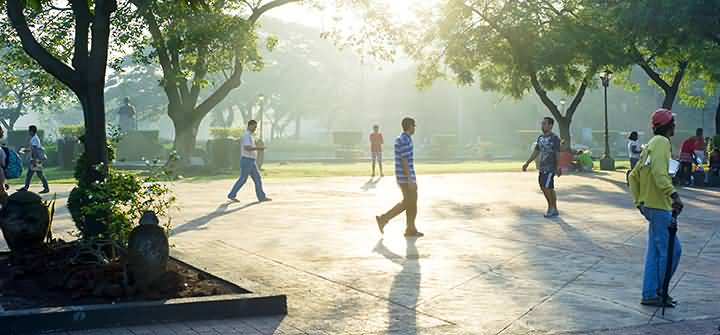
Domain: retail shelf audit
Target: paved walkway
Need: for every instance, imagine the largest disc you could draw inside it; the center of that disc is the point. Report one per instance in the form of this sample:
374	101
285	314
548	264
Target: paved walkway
489	264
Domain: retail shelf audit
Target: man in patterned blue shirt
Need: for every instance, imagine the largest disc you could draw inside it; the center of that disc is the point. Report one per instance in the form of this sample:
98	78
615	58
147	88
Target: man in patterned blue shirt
405	175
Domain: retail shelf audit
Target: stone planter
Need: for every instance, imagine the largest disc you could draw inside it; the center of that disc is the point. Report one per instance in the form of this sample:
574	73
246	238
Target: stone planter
224	153
139	145
24	221
68	151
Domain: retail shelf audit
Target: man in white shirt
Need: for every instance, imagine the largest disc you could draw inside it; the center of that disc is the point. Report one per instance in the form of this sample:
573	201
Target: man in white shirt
248	165
37	156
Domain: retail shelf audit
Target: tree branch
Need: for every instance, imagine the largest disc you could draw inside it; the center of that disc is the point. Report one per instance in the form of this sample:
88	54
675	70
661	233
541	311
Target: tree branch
100	40
216	97
540	91
650	72
680	74
81	13
580	93
34	49
169	73
200	71
259	11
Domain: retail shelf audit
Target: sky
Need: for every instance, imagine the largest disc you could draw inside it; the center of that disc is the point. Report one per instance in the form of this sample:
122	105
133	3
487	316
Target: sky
401	10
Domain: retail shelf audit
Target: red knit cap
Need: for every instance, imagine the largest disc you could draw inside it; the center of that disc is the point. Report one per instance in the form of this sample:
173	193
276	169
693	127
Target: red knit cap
661	117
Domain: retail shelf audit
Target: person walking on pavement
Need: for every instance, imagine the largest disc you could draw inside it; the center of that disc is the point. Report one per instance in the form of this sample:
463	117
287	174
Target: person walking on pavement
248	165
548	148
407	181
654	195
376	143
35	166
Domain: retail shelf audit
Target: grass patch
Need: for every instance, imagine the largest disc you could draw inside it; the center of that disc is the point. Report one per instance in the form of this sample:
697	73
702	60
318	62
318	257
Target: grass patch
320	170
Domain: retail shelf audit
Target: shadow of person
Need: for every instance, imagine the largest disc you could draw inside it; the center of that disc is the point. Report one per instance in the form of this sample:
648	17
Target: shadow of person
405	288
198	223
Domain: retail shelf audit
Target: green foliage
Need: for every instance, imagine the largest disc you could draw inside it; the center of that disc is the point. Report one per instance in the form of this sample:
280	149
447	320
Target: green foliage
71	131
111	207
225	133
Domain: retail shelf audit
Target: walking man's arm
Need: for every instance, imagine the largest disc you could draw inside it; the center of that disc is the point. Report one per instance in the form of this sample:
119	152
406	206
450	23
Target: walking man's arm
532	158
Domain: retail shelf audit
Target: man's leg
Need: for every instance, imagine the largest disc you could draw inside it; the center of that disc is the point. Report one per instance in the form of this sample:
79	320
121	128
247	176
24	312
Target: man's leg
552	199
662	220
395	211
244	173
379	160
410	200
650	275
255	175
44	181
28	176
373	164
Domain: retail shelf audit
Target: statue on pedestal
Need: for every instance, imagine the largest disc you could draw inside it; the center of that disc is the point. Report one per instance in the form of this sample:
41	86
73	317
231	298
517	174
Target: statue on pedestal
126	116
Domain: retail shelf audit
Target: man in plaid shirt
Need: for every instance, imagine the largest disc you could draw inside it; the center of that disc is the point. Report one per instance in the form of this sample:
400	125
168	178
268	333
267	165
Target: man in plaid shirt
405	175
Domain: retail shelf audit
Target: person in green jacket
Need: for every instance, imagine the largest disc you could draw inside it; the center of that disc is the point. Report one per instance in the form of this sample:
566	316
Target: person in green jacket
656	198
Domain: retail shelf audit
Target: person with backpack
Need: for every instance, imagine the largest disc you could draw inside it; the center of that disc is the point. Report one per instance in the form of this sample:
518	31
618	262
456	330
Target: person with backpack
3	158
37	156
654	195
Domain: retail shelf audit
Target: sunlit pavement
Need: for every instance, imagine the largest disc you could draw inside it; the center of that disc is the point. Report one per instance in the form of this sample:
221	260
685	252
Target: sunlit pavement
489	264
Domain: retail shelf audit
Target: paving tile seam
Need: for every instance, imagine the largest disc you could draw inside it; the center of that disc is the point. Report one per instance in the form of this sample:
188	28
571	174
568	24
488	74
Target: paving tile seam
658	310
699	254
334	282
545	299
618	303
491	269
582	251
622	330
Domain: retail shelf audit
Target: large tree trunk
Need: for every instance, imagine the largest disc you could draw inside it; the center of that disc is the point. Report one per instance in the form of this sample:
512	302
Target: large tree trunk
670	95
717	118
564	125
93	105
186	130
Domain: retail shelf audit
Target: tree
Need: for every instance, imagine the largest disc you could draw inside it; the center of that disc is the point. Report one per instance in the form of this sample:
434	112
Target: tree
659	36
79	62
24	86
189	45
513	47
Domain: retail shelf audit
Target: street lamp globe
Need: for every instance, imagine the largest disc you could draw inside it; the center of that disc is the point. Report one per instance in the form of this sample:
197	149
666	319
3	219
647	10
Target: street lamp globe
606	76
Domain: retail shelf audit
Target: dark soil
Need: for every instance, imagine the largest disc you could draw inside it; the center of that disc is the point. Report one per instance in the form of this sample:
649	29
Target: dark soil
44	278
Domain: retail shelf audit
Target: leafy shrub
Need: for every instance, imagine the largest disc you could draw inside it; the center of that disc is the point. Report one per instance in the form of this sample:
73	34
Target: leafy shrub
225	133
110	208
71	131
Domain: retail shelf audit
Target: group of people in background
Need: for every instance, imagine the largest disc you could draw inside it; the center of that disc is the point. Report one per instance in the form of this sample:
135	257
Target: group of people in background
695	152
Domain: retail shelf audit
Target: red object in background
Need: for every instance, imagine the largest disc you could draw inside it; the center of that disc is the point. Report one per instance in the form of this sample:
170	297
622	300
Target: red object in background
565	163
687	148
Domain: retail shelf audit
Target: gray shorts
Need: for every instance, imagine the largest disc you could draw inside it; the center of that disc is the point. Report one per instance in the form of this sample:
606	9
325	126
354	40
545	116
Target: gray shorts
376	156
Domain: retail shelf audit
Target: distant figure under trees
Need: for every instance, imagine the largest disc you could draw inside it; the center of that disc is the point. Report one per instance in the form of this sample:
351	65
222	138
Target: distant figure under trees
126	116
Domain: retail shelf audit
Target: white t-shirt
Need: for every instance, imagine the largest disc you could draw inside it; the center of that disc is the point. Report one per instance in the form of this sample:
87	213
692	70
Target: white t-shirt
248	140
633	145
35	141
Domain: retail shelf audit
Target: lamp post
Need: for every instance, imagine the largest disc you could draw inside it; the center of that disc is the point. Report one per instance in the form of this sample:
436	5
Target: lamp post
606	163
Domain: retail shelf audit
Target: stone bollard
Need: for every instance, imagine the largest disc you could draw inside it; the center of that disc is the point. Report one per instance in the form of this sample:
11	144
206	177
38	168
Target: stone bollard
148	252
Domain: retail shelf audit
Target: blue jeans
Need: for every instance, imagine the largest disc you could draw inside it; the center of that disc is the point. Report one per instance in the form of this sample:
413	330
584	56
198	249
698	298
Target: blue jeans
29	176
657	252
248	168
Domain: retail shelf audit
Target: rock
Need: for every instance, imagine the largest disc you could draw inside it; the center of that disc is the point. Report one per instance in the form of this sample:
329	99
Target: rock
24	221
148	253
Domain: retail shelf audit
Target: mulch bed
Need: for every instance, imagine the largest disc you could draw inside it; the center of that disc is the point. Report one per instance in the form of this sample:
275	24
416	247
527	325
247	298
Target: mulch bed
45	278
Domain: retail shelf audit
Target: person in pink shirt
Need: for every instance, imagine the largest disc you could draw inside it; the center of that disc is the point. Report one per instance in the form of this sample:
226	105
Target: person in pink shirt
376	143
